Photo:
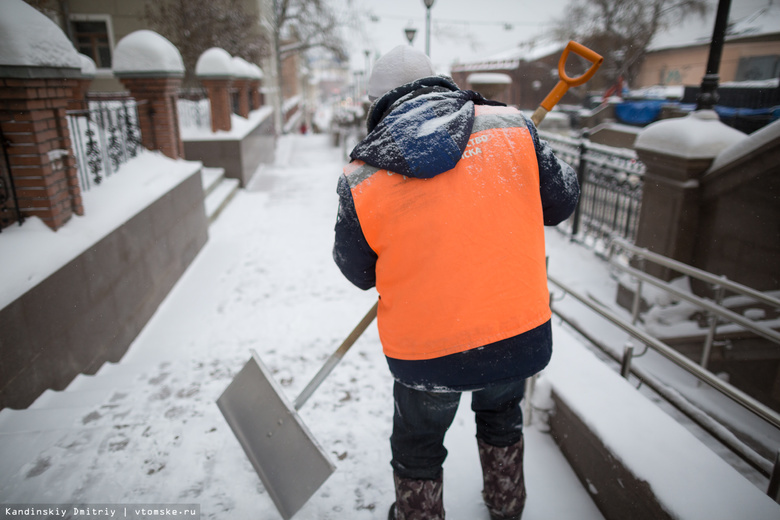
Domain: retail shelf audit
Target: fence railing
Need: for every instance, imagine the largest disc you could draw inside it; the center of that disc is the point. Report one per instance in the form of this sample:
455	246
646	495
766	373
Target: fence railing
611	181
104	136
194	112
9	205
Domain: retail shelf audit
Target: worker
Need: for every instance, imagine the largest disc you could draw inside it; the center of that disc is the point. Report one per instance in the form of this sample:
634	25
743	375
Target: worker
443	209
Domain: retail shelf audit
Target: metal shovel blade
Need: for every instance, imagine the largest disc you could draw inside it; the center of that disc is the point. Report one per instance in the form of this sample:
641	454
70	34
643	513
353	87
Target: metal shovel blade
282	450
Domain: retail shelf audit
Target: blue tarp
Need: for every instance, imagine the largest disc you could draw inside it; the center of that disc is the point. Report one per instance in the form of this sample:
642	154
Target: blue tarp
646	111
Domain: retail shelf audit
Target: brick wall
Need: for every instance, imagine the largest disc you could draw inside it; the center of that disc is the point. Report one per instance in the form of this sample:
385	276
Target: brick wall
33	122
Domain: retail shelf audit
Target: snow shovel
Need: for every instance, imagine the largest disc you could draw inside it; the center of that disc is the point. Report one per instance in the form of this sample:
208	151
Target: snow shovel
565	82
285	455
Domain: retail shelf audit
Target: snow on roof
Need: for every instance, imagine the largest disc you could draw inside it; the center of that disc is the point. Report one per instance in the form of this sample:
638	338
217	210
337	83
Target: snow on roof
699	135
146	51
492	78
749	18
511	58
214	62
29	38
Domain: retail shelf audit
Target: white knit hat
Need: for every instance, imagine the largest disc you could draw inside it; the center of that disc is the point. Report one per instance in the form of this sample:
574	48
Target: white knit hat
398	67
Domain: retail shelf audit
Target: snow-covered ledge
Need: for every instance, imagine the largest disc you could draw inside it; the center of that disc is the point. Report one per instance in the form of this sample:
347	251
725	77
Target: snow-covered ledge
636	460
74	299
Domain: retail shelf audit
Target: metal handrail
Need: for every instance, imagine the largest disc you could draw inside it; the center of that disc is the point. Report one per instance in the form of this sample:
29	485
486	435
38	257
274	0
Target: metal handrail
683	362
764	466
699	274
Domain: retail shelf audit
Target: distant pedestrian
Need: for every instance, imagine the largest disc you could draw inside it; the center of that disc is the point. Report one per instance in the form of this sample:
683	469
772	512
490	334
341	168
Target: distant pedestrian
442	209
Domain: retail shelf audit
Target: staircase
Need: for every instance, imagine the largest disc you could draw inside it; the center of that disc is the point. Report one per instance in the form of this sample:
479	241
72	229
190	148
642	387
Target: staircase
218	189
138	418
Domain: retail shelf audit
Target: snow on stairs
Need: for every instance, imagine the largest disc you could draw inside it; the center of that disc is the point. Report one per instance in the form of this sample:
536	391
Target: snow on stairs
100	413
218	189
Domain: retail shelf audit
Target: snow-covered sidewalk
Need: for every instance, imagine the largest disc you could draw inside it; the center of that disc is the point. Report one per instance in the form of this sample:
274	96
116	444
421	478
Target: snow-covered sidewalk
148	431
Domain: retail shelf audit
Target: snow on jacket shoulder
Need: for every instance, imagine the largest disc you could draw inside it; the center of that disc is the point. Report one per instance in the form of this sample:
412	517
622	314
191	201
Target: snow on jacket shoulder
413	157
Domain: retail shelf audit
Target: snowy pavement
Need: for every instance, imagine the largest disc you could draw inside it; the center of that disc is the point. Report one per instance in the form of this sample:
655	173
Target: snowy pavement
148	431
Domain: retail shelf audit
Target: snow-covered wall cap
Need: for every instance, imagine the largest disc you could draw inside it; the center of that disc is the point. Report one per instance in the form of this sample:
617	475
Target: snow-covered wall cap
241	68
146	53
88	66
29	39
214	63
699	135
255	71
489	78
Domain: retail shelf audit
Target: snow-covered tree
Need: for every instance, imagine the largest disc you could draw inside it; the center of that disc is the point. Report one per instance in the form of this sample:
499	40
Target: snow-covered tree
621	30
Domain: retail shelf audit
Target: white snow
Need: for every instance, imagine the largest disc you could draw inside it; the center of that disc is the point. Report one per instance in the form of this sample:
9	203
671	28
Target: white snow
28	38
150	432
146	51
88	66
34	251
650	443
214	62
240	127
699	135
488	78
745	147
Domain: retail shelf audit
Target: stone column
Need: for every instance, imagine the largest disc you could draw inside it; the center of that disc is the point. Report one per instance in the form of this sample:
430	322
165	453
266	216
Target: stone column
256	95
33	103
241	86
218	90
151	68
677	152
158	116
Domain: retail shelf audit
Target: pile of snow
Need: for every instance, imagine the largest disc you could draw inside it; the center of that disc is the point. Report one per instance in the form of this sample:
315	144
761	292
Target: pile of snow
28	38
147	52
489	78
88	66
218	63
699	135
214	63
33	252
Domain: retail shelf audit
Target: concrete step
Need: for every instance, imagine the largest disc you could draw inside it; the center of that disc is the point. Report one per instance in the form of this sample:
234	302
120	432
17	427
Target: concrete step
219	198
211	178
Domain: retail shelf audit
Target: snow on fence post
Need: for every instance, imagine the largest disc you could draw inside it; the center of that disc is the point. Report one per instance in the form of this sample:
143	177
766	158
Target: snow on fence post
151	68
215	72
39	68
677	152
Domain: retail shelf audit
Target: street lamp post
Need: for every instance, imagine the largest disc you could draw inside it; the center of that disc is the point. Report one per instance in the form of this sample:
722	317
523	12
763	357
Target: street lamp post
708	93
428	5
410	32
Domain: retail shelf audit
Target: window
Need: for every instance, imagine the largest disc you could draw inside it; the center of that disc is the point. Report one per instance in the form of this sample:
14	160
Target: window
758	67
93	39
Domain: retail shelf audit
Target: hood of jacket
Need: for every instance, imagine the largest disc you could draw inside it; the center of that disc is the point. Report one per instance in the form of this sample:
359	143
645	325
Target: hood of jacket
420	129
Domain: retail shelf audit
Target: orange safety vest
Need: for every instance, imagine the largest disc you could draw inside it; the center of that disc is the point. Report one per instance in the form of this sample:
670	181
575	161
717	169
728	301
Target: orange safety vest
461	257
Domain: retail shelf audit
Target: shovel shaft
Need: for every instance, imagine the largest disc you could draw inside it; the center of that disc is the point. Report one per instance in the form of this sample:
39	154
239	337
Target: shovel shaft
334	358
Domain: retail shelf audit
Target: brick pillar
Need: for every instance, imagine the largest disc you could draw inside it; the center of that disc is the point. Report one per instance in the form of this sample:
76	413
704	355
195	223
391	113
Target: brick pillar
78	100
43	167
256	95
158	116
219	98
242	91
677	152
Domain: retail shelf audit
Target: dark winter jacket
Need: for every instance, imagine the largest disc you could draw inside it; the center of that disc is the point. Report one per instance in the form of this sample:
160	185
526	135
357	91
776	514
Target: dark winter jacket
422	130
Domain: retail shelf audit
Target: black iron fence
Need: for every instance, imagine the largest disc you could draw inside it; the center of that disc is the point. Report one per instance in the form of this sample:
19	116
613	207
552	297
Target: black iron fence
104	136
9	206
611	181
